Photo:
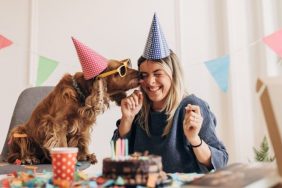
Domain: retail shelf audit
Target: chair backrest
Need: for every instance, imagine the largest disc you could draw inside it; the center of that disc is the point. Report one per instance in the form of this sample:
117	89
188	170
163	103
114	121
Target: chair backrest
27	101
269	91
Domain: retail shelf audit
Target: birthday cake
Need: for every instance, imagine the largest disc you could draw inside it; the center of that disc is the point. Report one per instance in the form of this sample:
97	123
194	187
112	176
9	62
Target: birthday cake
134	169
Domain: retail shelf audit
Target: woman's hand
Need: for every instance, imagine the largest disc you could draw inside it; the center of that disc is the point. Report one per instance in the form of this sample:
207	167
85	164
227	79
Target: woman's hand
131	105
192	123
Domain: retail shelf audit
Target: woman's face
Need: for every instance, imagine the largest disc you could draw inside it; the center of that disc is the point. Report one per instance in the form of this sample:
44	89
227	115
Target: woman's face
155	82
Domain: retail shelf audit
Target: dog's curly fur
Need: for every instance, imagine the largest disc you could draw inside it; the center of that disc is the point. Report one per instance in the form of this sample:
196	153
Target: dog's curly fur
65	119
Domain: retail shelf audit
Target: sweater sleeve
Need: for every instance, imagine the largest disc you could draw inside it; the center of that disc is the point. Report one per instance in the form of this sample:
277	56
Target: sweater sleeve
219	155
116	133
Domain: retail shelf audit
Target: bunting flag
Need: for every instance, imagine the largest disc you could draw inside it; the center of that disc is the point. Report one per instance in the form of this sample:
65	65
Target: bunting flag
274	41
45	68
219	69
4	42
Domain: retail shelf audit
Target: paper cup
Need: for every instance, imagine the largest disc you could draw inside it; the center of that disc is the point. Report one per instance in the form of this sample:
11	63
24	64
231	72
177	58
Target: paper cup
63	163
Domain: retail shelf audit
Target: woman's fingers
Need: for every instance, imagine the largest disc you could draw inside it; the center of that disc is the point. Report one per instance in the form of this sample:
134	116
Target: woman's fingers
193	110
193	118
139	96
134	100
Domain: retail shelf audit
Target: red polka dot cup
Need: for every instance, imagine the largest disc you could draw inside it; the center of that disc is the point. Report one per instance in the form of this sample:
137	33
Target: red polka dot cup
63	162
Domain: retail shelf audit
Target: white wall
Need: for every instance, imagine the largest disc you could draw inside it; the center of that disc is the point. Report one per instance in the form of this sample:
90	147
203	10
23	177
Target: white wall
14	61
197	31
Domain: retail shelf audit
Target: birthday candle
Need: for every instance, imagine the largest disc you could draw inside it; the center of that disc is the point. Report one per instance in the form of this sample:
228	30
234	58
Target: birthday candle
121	148
117	148
126	148
112	150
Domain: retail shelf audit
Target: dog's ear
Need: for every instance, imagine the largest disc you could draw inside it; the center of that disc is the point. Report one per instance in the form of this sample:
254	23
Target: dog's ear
99	98
118	97
98	101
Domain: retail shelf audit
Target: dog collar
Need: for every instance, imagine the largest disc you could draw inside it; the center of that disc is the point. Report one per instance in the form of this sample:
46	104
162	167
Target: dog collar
78	90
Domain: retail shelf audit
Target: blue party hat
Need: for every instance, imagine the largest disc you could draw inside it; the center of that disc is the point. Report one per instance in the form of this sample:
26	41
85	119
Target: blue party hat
156	46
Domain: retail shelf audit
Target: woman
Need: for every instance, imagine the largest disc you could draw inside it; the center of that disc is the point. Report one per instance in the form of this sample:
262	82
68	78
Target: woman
163	120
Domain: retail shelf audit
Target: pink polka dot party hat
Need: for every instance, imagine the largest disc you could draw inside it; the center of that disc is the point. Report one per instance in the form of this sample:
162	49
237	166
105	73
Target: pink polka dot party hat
91	62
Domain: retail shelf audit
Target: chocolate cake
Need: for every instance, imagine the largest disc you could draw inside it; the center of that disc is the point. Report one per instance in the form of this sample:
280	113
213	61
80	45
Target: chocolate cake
134	169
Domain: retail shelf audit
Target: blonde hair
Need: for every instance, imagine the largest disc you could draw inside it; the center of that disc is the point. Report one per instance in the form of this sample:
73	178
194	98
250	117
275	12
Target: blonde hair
171	65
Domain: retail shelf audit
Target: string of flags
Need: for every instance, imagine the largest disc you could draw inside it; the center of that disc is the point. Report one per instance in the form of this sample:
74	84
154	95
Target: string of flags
218	67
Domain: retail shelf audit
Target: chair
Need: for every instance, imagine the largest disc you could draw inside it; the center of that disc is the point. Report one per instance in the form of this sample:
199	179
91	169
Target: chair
27	101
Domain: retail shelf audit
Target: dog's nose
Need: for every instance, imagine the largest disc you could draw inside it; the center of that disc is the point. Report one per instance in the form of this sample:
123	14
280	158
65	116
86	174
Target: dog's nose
140	76
129	63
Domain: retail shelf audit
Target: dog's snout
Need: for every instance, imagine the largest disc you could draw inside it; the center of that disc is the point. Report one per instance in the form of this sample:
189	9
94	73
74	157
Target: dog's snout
129	64
140	76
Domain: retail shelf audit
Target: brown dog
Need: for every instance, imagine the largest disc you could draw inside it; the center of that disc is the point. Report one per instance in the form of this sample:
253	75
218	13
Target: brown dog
65	117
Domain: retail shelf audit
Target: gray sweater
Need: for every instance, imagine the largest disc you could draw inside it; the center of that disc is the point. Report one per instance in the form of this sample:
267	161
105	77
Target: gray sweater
176	151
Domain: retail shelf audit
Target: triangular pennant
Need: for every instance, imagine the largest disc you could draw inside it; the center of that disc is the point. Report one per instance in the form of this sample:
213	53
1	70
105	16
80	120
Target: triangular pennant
4	42
274	41
219	69
45	68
